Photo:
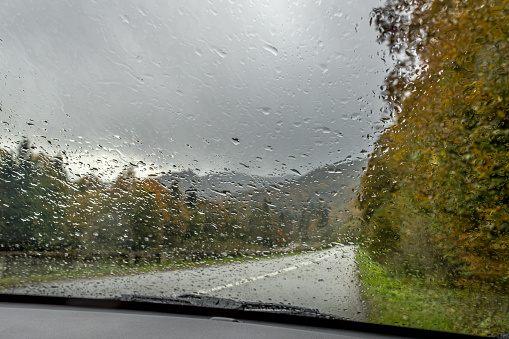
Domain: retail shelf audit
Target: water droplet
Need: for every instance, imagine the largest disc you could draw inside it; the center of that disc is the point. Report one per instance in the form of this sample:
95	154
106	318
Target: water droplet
324	130
266	110
221	52
295	171
271	49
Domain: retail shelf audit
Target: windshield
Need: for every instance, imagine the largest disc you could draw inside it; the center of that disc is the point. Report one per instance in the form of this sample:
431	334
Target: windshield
348	157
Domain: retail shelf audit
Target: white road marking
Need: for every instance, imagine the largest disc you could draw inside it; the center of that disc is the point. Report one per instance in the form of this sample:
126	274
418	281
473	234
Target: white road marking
263	276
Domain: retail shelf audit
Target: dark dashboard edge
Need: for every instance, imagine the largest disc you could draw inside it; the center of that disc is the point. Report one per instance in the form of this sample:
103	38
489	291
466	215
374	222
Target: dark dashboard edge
347	325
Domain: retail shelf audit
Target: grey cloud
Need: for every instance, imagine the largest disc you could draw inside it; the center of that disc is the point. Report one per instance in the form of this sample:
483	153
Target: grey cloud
172	83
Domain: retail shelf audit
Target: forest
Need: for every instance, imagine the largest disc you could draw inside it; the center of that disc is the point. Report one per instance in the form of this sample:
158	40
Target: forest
42	209
435	196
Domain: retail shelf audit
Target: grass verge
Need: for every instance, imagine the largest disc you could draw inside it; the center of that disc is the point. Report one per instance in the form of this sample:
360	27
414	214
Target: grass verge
404	301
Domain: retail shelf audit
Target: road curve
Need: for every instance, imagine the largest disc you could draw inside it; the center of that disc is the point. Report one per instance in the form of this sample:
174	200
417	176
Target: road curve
324	280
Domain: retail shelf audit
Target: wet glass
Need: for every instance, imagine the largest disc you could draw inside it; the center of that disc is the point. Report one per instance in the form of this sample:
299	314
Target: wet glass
348	157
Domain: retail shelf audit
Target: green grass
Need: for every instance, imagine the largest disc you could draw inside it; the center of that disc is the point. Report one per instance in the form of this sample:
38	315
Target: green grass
402	301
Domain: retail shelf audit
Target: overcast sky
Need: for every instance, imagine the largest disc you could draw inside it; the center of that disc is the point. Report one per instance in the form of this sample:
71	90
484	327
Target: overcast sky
260	87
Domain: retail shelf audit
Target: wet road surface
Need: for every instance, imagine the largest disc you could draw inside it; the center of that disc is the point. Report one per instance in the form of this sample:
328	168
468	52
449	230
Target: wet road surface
325	280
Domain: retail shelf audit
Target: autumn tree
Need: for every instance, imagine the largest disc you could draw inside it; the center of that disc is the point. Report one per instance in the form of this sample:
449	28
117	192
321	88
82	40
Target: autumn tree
439	175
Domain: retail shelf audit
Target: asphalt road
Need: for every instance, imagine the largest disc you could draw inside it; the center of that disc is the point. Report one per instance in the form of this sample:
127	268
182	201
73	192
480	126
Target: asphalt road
324	280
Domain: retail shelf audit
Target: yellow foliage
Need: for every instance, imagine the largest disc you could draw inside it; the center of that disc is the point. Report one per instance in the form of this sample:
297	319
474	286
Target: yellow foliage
448	149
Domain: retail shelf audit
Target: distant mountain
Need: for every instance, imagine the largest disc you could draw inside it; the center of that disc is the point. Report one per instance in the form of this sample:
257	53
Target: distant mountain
331	185
327	184
329	181
217	184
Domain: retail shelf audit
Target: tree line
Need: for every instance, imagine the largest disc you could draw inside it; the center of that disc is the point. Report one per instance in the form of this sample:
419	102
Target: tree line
42	209
436	192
